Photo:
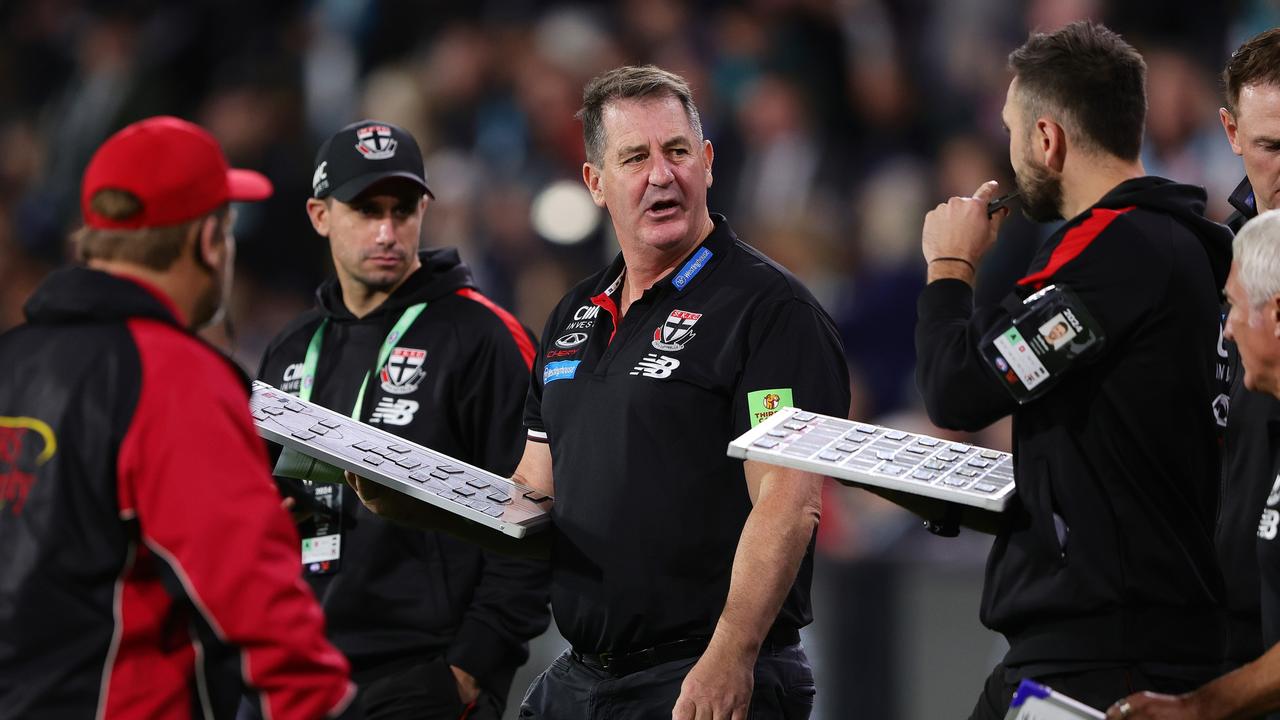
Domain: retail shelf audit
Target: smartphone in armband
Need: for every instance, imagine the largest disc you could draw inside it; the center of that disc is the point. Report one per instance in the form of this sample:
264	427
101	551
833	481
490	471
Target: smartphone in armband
1047	333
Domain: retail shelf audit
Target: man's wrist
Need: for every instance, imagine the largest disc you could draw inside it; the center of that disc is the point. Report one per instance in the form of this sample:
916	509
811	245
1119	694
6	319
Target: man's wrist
946	267
1213	701
733	645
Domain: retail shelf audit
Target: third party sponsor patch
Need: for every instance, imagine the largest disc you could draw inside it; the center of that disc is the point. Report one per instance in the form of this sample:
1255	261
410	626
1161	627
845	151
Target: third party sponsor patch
675	331
562	370
763	403
571	340
403	372
691	268
292	378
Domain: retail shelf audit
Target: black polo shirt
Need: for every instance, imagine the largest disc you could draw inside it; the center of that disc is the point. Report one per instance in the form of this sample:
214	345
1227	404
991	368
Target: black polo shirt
639	412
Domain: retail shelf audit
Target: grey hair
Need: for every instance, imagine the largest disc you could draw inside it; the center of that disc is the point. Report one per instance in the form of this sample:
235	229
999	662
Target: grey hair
627	82
1256	251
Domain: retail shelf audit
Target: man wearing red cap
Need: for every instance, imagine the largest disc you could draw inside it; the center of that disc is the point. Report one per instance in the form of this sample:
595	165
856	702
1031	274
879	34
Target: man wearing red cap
149	570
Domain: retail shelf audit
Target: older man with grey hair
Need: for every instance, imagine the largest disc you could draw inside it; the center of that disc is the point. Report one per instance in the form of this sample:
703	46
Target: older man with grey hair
1253	289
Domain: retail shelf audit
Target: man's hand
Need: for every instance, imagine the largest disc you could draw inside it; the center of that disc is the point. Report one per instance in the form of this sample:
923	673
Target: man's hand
291	506
958	233
717	688
1150	706
468	688
380	500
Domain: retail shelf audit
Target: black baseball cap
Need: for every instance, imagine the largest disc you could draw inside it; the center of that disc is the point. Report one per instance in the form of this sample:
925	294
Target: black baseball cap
363	153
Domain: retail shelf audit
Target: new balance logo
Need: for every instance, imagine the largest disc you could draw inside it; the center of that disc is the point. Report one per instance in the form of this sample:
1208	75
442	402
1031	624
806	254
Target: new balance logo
1268	524
394	412
658	367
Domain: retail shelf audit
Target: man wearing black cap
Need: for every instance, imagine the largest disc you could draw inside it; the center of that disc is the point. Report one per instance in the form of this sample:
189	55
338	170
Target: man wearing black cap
148	569
401	339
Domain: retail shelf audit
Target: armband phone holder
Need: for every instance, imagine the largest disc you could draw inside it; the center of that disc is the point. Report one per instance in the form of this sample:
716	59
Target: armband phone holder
1048	332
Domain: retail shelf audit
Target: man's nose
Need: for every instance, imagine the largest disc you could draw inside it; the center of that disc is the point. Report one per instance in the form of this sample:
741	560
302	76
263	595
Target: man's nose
384	232
660	173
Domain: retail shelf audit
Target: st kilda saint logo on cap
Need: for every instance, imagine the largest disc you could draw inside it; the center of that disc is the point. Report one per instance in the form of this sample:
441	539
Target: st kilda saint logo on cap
375	142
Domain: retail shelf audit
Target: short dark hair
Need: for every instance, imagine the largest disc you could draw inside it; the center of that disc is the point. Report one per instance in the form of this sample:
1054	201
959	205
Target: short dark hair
630	81
1093	79
1257	62
156	248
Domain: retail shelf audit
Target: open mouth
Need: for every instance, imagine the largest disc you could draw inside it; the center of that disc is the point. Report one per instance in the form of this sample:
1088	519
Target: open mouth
663	208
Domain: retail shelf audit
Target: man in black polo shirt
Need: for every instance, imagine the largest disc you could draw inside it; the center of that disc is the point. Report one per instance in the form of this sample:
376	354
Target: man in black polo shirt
680	576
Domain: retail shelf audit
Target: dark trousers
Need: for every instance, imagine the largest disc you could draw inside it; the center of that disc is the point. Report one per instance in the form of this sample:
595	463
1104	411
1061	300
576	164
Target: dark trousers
569	690
1096	688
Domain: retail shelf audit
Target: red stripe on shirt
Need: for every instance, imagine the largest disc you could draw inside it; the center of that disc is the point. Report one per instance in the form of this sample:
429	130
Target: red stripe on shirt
1074	243
527	351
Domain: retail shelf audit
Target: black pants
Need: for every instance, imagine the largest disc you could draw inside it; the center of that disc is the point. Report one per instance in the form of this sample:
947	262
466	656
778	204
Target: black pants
569	690
1096	688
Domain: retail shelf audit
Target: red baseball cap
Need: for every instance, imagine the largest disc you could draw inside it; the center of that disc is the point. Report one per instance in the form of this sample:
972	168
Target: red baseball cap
174	167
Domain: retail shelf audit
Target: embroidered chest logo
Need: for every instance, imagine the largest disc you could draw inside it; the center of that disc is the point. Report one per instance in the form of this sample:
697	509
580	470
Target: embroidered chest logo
394	412
403	372
658	367
675	331
25	444
375	142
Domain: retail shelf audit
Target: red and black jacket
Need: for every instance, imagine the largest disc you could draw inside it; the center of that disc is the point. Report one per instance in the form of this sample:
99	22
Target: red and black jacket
1107	554
148	569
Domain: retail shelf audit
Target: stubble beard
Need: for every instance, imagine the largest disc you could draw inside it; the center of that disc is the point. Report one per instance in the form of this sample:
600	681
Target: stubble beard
1041	193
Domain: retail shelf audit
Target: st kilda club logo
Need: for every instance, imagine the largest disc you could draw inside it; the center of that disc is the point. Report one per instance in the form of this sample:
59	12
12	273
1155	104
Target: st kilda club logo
375	142
675	331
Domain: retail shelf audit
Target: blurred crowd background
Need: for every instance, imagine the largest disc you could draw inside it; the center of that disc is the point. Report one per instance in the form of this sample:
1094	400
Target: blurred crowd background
837	125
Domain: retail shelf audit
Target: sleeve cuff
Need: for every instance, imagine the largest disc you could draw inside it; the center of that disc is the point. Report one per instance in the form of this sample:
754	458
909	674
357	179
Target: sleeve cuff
483	652
945	299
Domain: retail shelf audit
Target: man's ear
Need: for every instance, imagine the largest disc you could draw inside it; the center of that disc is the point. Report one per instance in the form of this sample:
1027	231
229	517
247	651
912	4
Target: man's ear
592	178
708	157
212	248
1232	130
1272	309
1053	143
318	212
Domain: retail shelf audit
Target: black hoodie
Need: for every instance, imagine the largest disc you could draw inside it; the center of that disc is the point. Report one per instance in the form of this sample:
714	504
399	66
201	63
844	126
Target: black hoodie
1106	555
399	594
